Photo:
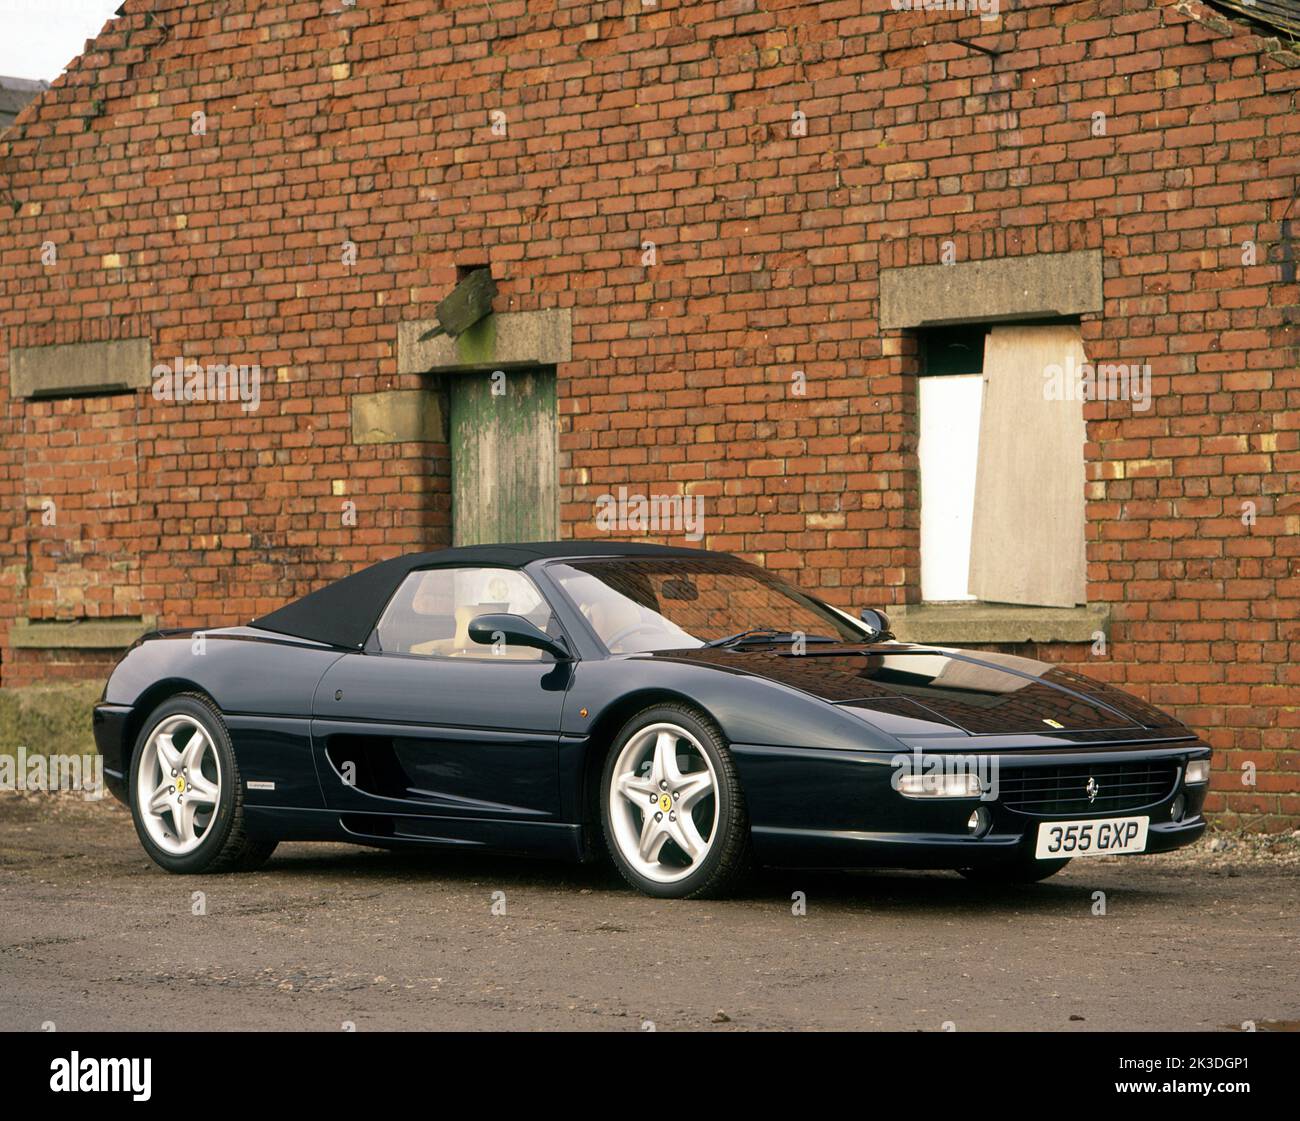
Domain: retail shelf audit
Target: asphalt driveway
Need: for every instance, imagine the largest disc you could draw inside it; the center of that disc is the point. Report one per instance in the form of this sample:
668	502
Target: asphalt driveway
93	936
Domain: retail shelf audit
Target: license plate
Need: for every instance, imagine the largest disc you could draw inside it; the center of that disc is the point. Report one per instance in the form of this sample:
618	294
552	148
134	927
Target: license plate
1102	836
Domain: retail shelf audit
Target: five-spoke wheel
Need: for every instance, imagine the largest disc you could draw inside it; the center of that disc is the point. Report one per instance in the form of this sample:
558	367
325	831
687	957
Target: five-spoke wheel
179	780
186	794
672	806
665	816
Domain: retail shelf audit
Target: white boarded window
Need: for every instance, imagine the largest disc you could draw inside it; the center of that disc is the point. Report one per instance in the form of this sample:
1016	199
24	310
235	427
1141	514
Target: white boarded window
1002	470
948	448
1027	541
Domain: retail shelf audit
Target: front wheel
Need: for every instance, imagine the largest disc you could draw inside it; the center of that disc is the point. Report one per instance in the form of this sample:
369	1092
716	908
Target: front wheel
187	798
672	806
1016	872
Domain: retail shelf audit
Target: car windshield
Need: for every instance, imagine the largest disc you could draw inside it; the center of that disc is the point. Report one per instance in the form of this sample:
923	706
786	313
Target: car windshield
639	605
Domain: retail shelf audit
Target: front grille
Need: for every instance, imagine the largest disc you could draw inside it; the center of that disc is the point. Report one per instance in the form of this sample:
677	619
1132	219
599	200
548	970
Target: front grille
1048	791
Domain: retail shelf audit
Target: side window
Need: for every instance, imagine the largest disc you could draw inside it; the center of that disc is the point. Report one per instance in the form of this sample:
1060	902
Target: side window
432	610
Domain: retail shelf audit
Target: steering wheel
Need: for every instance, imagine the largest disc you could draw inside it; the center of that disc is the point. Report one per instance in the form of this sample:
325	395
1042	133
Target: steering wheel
627	632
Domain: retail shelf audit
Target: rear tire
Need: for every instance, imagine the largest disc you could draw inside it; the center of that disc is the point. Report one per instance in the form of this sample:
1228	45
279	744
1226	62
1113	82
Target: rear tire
187	796
672	806
1017	872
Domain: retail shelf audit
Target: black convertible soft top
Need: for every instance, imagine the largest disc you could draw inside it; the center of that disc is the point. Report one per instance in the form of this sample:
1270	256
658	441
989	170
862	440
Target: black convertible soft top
345	612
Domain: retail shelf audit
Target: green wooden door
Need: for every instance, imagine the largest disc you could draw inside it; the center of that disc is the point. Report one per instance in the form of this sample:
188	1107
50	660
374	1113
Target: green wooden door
504	484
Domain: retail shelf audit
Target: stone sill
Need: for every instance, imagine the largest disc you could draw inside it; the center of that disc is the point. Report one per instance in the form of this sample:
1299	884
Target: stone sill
85	634
962	624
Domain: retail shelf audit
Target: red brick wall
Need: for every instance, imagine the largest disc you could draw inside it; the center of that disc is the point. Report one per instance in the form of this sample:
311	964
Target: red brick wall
672	124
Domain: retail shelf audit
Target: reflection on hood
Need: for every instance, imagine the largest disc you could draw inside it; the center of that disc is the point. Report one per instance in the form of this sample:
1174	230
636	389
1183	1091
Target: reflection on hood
978	693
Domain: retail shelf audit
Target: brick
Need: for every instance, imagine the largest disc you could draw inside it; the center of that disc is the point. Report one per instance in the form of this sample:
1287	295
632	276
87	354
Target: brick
772	253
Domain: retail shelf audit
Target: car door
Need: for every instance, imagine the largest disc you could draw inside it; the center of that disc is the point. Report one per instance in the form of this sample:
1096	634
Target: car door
423	721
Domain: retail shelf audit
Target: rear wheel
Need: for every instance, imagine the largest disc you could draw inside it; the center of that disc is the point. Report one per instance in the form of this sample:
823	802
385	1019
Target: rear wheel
1016	872
187	797
672	806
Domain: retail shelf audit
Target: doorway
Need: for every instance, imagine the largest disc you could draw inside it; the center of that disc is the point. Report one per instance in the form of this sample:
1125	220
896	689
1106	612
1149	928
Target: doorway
504	439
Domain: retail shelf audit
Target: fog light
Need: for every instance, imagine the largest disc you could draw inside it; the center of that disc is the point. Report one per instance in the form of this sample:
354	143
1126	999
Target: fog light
979	822
1198	770
939	786
1179	807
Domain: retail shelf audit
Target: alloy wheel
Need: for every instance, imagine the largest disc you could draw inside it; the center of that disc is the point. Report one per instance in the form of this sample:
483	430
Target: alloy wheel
663	802
178	784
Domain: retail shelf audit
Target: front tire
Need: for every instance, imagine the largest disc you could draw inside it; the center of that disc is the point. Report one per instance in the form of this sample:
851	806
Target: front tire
672	806
187	797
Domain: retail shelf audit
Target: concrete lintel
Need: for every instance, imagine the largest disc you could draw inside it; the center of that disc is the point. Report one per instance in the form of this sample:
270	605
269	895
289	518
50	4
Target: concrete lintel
397	416
1038	286
64	369
981	624
499	341
84	634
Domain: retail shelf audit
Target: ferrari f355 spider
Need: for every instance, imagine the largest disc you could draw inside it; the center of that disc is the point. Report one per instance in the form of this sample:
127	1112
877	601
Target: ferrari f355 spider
687	713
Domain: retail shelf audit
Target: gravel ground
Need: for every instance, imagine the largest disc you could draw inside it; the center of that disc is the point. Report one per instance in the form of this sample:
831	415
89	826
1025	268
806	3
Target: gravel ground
94	937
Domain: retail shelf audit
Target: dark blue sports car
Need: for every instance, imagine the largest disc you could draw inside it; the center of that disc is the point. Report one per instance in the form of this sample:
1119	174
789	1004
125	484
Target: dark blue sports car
682	710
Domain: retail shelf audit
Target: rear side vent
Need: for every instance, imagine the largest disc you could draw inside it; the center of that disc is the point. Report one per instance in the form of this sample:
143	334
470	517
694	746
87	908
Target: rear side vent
369	764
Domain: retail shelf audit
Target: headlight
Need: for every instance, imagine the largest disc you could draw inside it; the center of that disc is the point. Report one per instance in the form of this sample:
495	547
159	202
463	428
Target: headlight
1198	770
939	786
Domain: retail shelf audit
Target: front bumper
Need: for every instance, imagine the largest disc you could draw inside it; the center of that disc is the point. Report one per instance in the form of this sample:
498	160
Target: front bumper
839	809
112	729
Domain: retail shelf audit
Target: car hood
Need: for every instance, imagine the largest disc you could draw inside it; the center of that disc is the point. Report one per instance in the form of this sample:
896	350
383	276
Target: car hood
929	689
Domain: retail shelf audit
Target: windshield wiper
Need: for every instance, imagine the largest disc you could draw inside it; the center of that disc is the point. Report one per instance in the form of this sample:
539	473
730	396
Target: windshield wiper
753	632
765	634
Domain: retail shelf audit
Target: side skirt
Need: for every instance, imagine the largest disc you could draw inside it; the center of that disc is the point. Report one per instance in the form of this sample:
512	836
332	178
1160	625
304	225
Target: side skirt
546	840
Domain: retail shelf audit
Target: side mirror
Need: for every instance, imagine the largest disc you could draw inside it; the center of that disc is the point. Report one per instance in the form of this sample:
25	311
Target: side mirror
515	630
877	622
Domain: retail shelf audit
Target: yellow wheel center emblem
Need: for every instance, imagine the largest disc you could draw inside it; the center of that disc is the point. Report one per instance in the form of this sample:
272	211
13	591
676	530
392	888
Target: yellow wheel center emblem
665	803
180	785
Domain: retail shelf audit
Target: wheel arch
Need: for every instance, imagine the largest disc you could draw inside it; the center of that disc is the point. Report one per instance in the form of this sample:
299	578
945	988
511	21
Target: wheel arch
601	739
